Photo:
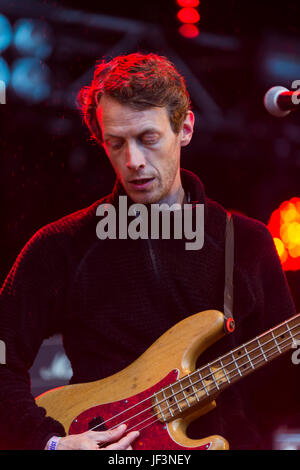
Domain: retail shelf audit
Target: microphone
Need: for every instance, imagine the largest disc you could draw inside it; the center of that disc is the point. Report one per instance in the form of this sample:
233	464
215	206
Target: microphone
279	101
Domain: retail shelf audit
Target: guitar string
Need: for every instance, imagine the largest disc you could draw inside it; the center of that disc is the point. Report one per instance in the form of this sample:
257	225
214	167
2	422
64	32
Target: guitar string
179	391
203	378
184	398
157	420
229	363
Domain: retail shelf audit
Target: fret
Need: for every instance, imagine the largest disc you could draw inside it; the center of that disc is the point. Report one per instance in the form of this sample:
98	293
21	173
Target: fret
247	354
260	346
278	347
159	407
203	384
195	393
288	328
236	364
219	373
224	370
251	354
175	398
184	395
230	366
213	376
292	328
166	401
189	390
282	337
198	385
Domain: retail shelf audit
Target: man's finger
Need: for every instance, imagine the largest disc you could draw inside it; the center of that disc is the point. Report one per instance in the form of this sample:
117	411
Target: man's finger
123	443
108	436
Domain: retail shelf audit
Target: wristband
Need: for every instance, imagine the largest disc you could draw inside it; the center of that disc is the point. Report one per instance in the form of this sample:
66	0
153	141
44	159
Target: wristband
53	442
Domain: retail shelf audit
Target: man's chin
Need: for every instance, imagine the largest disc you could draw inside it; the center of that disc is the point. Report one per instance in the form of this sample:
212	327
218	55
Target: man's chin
144	197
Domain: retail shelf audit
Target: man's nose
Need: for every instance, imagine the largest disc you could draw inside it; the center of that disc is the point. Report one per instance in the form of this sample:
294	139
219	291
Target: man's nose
135	157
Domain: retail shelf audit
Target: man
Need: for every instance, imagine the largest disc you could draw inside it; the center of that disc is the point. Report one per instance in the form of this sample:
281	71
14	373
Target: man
112	298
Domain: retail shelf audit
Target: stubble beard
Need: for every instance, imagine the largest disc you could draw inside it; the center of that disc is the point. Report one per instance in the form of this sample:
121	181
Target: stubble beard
158	195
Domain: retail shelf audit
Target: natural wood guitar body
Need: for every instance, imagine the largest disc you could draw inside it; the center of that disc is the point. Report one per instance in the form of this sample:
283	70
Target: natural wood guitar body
177	349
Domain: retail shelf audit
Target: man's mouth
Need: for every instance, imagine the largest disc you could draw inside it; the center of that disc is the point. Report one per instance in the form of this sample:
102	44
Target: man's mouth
141	180
141	183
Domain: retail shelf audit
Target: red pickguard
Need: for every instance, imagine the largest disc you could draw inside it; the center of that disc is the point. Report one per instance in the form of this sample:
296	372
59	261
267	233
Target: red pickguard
152	437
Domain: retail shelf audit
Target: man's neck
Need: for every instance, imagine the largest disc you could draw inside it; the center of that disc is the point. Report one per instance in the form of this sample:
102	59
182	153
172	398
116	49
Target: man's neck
179	197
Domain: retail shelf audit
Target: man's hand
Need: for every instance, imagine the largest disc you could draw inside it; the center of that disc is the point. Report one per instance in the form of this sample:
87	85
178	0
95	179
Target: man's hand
114	439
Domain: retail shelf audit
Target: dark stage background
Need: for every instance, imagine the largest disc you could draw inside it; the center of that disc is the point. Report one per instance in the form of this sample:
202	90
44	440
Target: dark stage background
248	160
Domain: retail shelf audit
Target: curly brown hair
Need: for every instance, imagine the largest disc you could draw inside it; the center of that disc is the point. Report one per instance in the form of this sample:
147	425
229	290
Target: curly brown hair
140	81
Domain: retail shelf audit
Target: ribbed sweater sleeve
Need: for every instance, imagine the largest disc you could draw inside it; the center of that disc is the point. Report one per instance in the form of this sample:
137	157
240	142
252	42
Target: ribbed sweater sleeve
31	309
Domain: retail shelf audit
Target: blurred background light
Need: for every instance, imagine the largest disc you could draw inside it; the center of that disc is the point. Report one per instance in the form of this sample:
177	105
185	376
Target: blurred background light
33	37
188	3
283	66
30	79
189	30
4	71
188	15
284	226
6	33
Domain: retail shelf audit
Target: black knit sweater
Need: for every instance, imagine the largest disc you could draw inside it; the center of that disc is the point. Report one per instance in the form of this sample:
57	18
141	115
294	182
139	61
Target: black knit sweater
111	299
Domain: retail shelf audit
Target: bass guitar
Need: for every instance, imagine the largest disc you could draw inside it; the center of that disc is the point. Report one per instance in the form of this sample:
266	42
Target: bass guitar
162	392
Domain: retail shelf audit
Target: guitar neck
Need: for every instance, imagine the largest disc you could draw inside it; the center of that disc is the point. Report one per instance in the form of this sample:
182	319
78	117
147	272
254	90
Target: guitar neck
206	382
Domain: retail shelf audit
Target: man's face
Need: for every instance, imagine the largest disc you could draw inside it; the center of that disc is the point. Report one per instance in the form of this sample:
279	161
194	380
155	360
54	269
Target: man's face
143	150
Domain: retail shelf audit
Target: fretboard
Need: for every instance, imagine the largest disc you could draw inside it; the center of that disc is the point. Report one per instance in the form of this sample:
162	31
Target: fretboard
206	382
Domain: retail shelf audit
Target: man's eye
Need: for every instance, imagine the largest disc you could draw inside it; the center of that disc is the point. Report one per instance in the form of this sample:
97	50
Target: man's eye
115	145
150	140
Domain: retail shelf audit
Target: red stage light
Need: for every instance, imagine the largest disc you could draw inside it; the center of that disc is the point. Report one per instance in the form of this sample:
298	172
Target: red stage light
188	3
188	15
284	226
189	30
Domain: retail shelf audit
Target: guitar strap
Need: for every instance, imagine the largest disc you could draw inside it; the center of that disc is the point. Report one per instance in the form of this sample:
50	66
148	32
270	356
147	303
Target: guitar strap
229	324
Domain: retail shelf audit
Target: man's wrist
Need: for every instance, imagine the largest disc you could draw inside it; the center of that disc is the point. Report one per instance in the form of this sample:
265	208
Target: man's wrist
52	443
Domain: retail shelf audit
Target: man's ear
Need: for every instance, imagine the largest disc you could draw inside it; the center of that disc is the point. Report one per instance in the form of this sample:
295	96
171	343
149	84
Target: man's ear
187	129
